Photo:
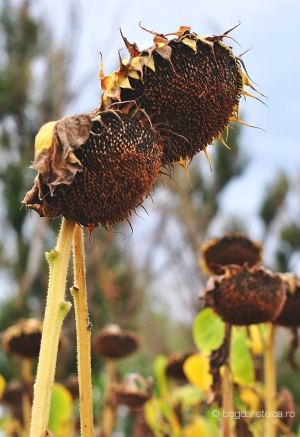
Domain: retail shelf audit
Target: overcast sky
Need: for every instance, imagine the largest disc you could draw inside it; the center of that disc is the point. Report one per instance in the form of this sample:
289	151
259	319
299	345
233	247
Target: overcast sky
269	28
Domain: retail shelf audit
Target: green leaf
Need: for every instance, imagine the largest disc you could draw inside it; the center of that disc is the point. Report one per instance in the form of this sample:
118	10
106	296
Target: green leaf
241	363
159	365
208	331
186	396
60	422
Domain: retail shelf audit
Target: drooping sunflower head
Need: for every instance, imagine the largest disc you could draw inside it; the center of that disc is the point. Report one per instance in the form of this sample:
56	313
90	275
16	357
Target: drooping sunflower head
245	296
290	314
190	84
112	342
134	392
174	365
23	338
232	248
94	168
165	104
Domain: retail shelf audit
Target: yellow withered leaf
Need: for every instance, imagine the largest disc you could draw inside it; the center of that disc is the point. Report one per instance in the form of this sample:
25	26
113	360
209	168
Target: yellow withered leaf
250	398
2	385
200	427
196	368
256	342
43	139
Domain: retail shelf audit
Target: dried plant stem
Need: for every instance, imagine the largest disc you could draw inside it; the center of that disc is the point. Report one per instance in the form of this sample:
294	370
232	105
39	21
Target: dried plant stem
108	413
26	403
56	310
83	335
227	389
270	381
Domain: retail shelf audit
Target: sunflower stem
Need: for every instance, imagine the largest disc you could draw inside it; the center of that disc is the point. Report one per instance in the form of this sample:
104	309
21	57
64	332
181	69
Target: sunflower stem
83	336
55	312
108	413
270	381
227	389
26	403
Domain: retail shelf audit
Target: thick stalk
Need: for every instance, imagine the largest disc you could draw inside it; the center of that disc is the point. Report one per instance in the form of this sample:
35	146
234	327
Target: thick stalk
56	310
227	389
83	335
270	381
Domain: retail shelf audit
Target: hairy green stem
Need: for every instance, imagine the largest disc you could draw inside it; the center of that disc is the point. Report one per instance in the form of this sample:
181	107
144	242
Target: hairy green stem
56	310
83	335
270	381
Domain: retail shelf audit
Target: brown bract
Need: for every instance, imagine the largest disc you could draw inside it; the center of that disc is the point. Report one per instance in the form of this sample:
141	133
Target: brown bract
112	342
231	249
191	84
246	296
98	168
290	314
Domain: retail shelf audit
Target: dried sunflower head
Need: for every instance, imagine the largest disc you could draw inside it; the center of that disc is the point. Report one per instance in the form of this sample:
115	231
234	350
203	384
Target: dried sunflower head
94	168
189	83
13	395
134	391
23	338
174	365
245	296
290	314
231	249
112	342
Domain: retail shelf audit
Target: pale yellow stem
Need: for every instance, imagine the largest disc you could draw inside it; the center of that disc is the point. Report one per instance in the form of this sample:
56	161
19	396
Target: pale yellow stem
227	390
108	412
270	381
26	407
56	310
83	335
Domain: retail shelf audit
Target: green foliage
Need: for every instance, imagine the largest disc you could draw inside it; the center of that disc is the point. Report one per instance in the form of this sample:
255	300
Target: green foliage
208	330
60	421
291	235
159	367
241	362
